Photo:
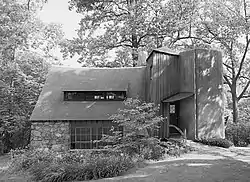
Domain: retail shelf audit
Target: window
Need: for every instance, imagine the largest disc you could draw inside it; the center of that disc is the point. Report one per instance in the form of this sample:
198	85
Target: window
94	95
85	134
172	109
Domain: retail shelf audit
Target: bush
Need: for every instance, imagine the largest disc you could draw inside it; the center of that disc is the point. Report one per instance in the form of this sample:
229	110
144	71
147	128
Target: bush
174	147
45	165
219	142
23	160
140	120
239	134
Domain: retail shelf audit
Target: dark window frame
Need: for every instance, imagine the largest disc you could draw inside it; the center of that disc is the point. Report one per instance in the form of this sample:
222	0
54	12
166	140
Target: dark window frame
94	95
90	140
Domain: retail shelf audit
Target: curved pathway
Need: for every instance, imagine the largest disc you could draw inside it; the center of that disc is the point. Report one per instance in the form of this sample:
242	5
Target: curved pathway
207	164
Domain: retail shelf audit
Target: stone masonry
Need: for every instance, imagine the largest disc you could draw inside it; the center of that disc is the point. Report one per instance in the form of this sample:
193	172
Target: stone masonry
53	135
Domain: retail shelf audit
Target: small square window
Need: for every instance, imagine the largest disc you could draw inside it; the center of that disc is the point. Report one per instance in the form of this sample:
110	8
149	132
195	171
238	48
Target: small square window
172	109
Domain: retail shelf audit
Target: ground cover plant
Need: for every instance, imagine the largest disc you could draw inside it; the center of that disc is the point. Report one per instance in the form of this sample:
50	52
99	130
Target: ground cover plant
219	142
79	165
175	147
47	165
238	133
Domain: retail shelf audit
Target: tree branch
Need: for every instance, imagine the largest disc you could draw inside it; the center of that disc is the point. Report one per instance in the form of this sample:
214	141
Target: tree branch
227	66
244	77
245	96
243	58
244	90
227	81
28	4
139	40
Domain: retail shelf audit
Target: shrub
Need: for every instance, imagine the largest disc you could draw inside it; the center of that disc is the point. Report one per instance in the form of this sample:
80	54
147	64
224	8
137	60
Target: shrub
174	147
239	134
139	120
45	165
96	167
219	142
25	159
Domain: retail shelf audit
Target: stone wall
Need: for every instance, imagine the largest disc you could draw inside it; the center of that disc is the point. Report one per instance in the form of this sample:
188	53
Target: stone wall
53	135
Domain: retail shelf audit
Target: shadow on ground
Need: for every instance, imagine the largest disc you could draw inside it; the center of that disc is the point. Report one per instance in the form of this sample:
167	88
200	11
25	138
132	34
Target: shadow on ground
208	164
194	167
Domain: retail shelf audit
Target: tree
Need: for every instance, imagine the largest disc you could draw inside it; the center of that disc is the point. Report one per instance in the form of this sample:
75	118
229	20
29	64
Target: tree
229	29
25	57
130	25
224	24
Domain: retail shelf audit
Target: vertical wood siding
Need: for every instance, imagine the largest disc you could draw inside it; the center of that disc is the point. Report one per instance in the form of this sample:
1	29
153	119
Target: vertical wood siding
165	77
187	71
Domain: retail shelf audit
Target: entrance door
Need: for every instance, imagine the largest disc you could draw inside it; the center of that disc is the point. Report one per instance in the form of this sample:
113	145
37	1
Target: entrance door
174	114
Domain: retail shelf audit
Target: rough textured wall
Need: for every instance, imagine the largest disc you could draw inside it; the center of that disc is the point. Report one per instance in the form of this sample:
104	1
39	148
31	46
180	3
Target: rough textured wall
52	135
209	87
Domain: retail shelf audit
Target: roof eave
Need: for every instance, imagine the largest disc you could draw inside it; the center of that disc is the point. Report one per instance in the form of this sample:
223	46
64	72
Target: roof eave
164	52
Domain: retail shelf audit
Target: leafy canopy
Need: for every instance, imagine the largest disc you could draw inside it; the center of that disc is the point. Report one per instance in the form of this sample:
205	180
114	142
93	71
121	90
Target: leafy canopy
25	56
112	26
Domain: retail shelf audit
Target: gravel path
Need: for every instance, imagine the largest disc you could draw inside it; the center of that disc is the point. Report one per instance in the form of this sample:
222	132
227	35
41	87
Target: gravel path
207	164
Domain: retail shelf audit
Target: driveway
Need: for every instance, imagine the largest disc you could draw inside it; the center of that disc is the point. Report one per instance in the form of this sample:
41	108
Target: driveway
207	164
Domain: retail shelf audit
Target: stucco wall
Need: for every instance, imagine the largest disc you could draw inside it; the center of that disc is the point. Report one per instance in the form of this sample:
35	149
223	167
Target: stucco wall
209	87
52	135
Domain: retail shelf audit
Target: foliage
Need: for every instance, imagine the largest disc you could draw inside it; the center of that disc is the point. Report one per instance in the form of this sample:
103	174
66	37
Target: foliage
238	134
224	25
139	121
219	142
175	147
133	25
81	165
137	25
25	58
244	114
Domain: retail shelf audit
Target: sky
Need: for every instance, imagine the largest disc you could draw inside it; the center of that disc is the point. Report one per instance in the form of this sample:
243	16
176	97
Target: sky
57	11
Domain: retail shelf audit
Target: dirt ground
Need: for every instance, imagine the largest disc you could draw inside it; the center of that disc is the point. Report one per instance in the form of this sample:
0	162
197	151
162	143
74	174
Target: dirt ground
207	164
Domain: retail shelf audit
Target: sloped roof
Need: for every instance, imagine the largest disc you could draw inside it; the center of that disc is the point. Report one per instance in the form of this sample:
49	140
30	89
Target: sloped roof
178	96
50	105
167	51
164	50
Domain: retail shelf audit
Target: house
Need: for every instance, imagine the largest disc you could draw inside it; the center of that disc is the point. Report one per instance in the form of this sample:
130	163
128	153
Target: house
75	104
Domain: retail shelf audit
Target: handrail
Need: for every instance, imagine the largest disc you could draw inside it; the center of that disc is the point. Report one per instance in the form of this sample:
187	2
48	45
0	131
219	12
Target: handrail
179	130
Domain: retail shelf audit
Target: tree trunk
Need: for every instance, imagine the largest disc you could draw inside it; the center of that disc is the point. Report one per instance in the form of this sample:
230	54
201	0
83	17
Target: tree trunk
235	104
133	12
135	50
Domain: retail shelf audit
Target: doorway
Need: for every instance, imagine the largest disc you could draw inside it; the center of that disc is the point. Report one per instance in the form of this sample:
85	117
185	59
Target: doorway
174	110
171	113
